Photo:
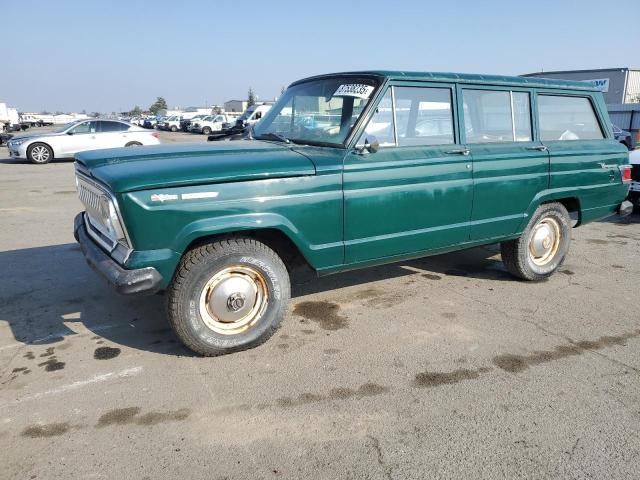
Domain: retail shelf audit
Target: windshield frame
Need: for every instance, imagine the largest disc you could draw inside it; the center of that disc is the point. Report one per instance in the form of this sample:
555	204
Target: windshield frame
379	83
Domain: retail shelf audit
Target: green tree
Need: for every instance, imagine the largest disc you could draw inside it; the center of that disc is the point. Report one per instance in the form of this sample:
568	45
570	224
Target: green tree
136	110
251	97
159	104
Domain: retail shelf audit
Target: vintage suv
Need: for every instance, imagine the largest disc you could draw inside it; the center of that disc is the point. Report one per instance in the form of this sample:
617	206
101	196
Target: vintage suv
346	171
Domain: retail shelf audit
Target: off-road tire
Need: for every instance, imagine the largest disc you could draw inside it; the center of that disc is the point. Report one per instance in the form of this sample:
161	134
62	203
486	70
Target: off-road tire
515	253
195	270
34	158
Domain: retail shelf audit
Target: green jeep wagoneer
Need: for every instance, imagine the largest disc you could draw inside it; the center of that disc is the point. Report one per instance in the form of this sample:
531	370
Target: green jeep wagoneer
346	171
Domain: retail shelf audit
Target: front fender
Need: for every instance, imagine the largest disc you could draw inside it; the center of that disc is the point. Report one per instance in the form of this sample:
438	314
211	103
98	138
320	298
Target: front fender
238	223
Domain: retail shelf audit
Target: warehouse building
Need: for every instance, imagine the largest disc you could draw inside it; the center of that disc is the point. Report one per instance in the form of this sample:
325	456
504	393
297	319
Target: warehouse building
621	90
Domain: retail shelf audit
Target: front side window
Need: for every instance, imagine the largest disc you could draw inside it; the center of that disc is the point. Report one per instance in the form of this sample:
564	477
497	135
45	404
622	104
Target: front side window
318	112
381	124
567	118
86	127
424	116
493	116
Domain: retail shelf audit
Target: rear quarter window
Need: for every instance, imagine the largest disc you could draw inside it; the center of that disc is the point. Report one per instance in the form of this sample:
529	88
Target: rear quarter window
567	118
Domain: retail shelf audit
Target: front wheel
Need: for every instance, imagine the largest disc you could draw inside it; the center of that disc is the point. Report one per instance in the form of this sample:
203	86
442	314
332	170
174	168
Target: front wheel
174	128
39	153
206	130
228	296
543	245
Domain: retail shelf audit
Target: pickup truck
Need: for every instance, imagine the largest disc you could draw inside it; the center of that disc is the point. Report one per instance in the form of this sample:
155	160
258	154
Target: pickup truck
346	171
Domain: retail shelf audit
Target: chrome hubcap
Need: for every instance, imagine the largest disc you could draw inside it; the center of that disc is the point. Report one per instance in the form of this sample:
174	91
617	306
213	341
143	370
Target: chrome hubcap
233	300
40	153
544	241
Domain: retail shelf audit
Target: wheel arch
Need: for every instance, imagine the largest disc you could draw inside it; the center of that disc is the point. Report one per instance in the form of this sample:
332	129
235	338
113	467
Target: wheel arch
569	199
274	230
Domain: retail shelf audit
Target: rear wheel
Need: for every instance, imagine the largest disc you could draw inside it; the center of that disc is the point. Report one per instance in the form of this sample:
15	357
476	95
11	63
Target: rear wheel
174	128
39	153
227	296
543	245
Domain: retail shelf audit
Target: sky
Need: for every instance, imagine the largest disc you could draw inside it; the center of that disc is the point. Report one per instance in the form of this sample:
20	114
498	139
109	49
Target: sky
110	55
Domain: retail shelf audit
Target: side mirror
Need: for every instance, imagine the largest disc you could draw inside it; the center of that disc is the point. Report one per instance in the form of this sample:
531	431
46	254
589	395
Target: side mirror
371	145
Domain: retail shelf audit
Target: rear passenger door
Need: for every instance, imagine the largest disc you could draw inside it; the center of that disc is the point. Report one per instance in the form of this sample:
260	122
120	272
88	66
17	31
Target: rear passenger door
414	194
112	134
510	165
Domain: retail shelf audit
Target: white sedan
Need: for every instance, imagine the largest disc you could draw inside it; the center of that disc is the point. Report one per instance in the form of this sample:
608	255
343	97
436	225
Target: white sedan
79	136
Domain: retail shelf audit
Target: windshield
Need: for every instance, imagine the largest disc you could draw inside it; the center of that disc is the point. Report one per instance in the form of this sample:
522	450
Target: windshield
318	112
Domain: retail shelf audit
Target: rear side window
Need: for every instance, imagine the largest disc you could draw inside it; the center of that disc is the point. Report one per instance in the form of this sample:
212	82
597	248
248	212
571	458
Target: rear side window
107	127
423	116
567	118
493	116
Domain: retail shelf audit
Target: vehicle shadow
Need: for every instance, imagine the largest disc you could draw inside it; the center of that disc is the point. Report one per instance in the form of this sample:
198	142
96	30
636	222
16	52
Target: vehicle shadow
49	295
628	220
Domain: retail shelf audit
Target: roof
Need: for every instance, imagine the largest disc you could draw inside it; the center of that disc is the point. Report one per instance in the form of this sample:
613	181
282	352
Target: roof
589	70
465	78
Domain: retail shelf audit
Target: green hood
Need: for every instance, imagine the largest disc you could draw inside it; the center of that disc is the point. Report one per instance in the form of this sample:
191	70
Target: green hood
141	168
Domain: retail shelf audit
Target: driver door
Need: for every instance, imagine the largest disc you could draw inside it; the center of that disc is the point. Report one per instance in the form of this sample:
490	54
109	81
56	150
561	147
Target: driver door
81	137
415	193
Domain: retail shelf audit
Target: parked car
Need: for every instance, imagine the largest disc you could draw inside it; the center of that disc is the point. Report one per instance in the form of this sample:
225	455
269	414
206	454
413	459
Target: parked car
622	136
219	225
634	191
209	124
76	137
150	122
171	123
185	123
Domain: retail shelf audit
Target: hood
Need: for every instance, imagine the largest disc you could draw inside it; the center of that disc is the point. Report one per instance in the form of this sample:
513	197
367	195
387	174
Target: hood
141	168
21	135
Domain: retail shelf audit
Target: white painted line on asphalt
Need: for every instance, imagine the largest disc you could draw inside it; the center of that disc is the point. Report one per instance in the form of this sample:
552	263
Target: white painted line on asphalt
129	372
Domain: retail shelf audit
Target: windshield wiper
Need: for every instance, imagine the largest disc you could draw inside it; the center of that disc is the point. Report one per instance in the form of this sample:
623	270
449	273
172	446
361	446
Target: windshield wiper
274	136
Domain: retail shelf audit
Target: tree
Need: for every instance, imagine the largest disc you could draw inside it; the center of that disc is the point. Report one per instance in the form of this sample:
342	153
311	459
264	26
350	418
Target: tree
251	97
136	110
159	104
217	110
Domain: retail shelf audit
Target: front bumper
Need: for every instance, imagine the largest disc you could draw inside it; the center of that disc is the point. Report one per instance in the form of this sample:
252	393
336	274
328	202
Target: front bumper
142	281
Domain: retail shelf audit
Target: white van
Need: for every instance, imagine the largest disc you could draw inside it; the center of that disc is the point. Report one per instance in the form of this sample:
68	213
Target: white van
252	115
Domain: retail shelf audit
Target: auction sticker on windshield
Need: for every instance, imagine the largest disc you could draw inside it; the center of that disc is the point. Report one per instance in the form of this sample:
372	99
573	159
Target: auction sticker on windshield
357	90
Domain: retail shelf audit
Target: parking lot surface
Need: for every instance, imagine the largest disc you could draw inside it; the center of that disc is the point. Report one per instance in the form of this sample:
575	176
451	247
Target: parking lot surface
444	367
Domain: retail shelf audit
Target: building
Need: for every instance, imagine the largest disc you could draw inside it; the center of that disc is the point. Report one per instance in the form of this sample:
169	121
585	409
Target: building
619	85
237	106
621	90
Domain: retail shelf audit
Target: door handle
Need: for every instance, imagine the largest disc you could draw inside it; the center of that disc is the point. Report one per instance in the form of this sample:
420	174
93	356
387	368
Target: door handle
539	148
462	151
